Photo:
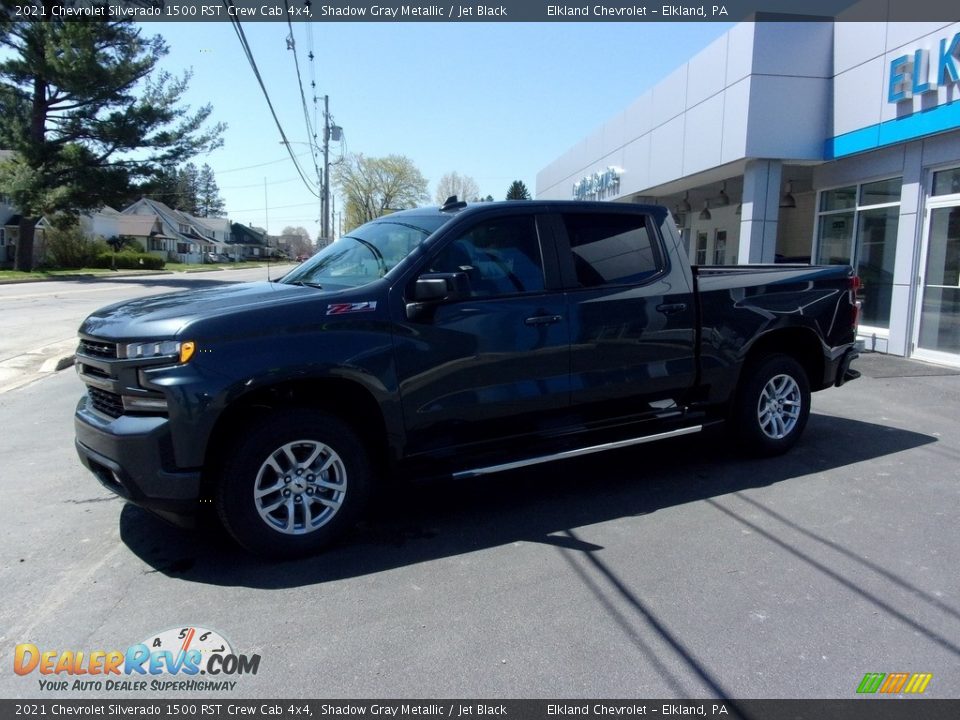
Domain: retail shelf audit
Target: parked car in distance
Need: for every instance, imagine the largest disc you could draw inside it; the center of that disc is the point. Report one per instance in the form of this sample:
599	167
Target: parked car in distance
457	341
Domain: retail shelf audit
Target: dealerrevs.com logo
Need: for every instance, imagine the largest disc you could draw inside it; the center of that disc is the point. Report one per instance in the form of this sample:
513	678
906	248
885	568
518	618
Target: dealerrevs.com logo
172	660
894	683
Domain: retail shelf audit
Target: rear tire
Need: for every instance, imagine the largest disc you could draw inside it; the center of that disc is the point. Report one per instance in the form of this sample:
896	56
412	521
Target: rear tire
299	479
772	405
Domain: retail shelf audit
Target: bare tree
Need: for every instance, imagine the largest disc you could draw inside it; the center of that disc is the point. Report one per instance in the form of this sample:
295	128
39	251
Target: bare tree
298	240
463	186
372	187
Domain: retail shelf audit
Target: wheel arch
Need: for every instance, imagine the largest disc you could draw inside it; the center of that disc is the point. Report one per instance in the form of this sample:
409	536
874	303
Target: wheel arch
800	343
346	399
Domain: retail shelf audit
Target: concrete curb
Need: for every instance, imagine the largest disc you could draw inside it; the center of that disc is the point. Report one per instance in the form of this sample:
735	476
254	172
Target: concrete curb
84	276
32	365
56	364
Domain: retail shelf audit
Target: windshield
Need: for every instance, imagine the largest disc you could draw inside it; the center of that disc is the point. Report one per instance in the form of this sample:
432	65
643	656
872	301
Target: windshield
365	254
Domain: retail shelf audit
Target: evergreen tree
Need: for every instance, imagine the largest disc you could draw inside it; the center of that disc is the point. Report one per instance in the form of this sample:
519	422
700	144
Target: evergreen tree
86	114
209	202
518	191
188	187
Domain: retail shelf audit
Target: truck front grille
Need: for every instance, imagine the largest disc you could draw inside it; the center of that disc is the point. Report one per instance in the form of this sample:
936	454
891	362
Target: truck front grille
98	349
105	402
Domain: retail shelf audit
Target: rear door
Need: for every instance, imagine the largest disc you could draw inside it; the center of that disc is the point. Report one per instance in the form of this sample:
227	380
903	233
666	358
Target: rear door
492	363
632	315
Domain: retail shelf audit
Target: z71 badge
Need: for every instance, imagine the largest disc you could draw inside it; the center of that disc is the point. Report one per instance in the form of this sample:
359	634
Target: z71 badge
343	308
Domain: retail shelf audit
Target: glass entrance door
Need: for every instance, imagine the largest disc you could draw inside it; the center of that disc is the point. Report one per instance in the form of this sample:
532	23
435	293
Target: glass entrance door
938	333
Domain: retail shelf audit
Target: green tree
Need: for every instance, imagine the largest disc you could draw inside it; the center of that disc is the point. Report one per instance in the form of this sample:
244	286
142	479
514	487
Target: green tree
87	113
118	243
372	187
209	202
188	190
518	191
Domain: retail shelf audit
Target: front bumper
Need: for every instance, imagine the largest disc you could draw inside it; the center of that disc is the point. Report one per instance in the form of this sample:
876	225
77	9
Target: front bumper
133	457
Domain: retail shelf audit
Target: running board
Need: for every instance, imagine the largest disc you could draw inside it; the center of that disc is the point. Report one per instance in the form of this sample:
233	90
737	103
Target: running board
566	454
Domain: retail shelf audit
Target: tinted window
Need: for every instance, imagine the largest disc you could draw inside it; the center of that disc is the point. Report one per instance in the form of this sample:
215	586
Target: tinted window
611	249
499	256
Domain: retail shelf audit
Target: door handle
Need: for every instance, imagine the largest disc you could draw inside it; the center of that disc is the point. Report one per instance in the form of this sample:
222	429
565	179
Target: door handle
672	308
543	319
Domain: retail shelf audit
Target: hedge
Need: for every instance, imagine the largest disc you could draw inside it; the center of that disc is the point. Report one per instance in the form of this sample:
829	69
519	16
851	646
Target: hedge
129	261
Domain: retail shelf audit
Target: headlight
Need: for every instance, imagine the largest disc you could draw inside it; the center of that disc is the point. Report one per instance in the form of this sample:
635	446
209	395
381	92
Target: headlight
183	351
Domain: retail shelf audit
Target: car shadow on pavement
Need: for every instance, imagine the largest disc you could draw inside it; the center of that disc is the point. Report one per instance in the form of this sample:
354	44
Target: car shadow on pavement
419	522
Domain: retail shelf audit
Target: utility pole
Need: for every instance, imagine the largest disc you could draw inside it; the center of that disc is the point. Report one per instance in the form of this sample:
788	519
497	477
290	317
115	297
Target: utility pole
325	203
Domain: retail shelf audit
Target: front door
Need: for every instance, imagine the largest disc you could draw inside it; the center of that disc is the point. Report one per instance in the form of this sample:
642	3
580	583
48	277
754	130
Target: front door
938	326
494	362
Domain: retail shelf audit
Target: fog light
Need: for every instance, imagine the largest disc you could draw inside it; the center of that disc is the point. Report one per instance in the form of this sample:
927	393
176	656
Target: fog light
144	404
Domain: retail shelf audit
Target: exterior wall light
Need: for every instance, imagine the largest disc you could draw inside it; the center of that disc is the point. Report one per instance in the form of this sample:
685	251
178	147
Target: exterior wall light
788	200
722	199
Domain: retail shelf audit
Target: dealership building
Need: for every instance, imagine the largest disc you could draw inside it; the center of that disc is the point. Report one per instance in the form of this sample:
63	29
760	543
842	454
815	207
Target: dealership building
823	142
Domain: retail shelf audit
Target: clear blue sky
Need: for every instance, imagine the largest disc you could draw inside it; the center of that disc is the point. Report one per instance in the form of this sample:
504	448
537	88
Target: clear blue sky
496	101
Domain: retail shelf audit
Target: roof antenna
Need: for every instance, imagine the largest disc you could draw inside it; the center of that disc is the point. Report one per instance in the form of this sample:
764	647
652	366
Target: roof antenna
451	203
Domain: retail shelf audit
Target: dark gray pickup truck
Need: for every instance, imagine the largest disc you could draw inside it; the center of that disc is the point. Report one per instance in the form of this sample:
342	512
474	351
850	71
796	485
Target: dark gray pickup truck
459	341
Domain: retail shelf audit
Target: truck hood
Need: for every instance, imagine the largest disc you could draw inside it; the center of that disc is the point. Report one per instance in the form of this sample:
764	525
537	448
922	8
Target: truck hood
165	315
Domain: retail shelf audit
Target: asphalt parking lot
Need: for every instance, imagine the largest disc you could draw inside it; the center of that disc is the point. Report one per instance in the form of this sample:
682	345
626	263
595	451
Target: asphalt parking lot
682	570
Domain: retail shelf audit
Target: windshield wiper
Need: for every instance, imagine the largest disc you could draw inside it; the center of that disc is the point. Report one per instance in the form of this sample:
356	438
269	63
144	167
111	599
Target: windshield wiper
307	284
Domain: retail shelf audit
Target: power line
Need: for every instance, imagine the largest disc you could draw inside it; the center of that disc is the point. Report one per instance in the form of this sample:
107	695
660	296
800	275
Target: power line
274	207
241	36
260	184
250	167
311	132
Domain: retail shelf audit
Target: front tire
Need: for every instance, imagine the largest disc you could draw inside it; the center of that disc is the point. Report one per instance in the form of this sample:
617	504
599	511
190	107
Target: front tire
299	479
772	405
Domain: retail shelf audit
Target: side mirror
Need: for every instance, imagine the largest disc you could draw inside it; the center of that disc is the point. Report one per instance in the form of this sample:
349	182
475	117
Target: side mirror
426	289
431	289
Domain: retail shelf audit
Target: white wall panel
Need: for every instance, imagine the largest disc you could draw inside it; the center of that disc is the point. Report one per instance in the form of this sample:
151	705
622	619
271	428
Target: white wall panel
857	97
666	152
669	97
786	48
703	136
788	117
707	72
857	42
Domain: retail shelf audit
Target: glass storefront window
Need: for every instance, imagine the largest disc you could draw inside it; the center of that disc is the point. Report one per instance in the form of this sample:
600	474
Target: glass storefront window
881	193
836	239
839	199
946	182
857	226
877	244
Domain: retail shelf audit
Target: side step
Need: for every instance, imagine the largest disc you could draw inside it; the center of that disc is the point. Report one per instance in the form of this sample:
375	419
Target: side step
566	454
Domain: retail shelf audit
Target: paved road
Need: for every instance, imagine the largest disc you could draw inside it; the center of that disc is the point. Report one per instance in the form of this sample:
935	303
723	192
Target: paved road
40	320
678	570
